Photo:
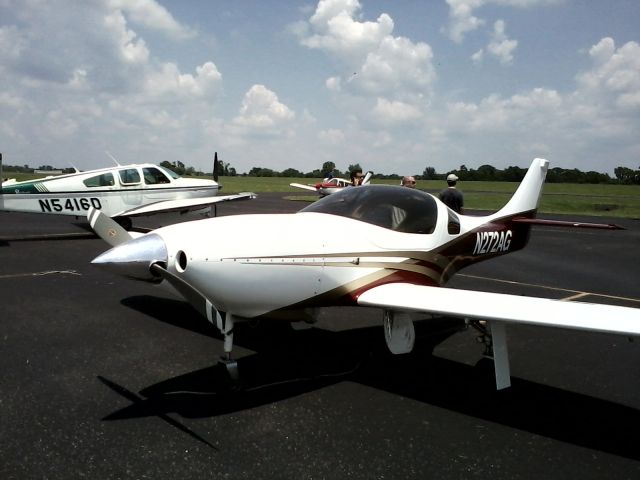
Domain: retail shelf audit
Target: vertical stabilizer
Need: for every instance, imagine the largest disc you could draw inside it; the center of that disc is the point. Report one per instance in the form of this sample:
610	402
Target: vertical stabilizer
527	196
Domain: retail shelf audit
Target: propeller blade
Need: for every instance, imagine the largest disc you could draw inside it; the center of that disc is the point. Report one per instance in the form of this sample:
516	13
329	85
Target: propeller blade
367	178
216	166
107	228
190	293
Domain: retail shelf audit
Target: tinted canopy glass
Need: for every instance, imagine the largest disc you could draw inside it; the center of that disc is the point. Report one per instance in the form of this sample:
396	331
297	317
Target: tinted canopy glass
397	208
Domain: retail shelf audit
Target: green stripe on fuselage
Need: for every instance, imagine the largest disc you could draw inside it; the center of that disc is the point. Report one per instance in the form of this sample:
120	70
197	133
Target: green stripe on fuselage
27	187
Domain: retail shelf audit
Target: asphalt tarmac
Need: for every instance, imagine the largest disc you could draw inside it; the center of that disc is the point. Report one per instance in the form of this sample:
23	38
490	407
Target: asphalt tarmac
106	378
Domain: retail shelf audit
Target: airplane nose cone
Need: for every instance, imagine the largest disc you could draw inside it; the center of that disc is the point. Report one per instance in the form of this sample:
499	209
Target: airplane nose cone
134	258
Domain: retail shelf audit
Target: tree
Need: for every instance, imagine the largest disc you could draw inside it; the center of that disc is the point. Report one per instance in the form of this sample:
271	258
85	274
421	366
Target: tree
291	172
328	167
625	175
429	173
354	168
486	172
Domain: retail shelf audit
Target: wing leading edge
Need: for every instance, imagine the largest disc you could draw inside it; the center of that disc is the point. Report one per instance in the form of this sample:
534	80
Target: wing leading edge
504	308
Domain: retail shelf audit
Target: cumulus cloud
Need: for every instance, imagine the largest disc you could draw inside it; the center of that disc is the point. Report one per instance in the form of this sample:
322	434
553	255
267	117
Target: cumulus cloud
262	112
500	45
462	18
152	15
395	112
375	64
614	79
604	105
336	31
73	72
168	81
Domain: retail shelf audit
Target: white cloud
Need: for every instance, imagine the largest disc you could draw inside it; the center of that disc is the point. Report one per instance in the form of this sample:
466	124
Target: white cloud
168	81
603	108
500	45
393	112
262	112
614	80
462	19
132	49
379	69
82	78
337	32
331	136
478	57
151	14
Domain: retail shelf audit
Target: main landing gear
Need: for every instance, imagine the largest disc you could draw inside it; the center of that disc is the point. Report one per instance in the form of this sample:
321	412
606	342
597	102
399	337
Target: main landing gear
494	337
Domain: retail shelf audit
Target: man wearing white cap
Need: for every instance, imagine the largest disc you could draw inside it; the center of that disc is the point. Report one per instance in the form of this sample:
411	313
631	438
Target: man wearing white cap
451	196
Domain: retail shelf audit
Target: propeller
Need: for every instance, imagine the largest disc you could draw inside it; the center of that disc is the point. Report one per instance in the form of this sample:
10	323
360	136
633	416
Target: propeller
224	322
107	228
188	291
367	178
216	166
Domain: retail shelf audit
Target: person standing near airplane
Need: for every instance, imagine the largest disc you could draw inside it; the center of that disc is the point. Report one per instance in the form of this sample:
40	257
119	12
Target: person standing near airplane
451	196
356	177
408	181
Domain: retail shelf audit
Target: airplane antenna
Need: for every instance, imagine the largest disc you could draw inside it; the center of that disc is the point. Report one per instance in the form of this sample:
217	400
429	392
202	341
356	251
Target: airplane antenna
112	158
76	169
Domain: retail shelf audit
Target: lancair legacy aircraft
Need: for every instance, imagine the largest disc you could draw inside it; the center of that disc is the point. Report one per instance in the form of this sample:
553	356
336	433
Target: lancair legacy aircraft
378	246
120	192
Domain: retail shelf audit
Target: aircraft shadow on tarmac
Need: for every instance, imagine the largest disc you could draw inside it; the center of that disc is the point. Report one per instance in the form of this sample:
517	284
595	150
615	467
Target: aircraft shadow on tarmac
289	363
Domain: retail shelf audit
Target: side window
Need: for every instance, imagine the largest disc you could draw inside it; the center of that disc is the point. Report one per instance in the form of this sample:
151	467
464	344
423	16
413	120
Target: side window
104	180
453	225
153	176
129	176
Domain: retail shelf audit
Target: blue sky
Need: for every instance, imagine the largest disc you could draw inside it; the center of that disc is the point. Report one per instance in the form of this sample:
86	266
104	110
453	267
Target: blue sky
394	86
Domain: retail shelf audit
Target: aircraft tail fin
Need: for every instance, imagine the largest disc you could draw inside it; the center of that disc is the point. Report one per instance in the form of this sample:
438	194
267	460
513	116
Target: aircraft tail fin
527	196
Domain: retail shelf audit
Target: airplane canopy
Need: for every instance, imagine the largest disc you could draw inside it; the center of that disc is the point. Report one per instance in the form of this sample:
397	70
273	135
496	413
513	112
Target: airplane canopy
397	208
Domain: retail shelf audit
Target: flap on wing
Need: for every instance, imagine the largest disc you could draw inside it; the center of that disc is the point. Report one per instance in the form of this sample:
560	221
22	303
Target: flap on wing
185	204
503	307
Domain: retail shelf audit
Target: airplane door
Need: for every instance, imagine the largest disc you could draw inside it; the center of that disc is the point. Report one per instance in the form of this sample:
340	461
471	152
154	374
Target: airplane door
130	181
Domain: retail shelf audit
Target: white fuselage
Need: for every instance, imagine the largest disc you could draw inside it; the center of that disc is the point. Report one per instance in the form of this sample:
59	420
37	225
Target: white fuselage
112	190
280	261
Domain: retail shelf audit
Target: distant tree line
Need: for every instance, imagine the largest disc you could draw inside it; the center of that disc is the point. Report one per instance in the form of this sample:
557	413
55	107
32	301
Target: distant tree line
623	175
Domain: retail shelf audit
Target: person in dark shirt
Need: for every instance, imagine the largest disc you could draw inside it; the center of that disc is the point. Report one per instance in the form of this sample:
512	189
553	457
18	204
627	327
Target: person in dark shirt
451	196
357	177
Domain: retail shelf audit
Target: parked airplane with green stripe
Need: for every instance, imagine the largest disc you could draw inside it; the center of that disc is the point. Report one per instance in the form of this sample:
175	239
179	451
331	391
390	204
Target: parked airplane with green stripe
120	192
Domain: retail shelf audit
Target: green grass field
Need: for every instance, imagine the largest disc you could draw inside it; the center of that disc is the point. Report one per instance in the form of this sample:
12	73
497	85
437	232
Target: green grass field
578	199
582	199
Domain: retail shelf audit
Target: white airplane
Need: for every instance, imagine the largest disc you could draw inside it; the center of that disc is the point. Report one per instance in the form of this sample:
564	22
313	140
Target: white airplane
377	246
331	185
120	192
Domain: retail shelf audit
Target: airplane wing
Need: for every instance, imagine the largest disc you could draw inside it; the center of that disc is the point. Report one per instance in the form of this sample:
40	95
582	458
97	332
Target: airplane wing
183	205
504	308
305	187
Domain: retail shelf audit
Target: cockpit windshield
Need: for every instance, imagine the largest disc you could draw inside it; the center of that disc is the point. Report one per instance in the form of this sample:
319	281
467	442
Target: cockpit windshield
397	208
169	172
